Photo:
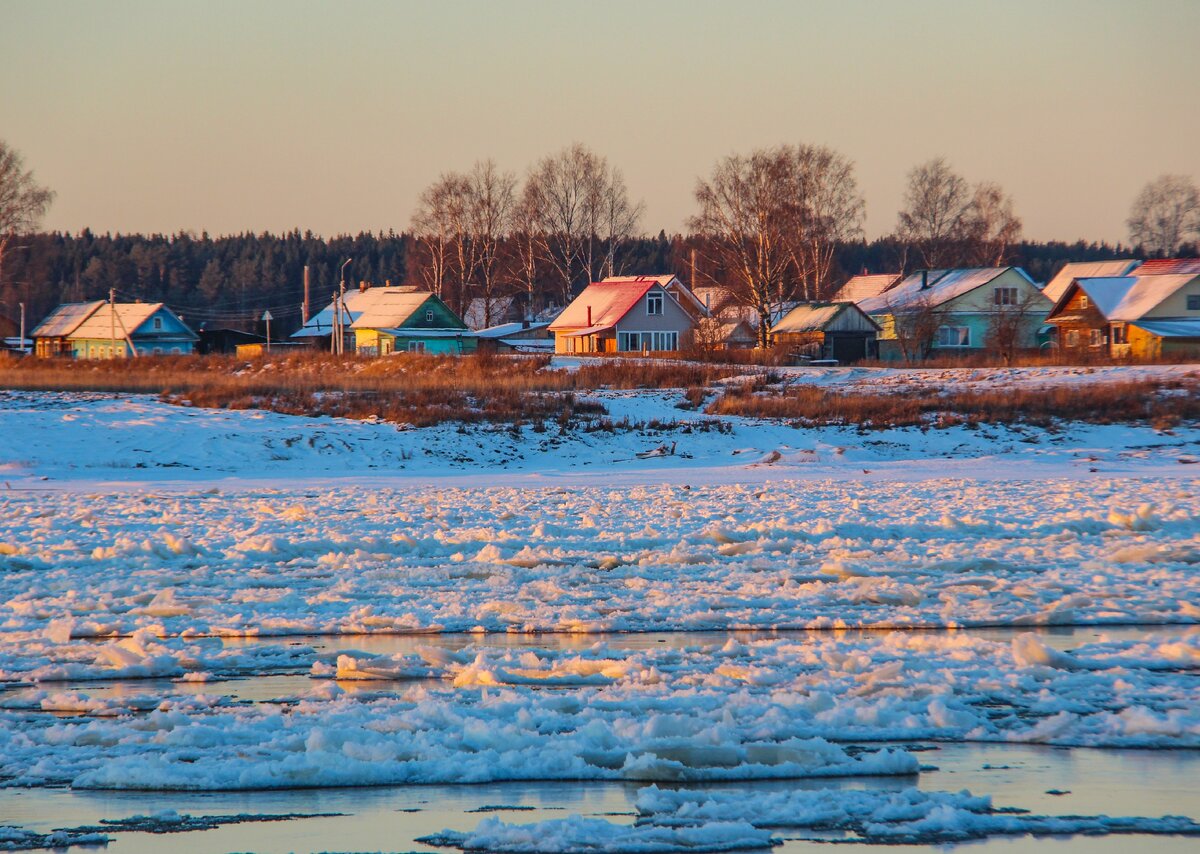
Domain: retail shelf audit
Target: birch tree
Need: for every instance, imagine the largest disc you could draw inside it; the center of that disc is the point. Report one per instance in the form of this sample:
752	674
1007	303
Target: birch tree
491	198
23	202
826	209
937	203
991	227
1165	214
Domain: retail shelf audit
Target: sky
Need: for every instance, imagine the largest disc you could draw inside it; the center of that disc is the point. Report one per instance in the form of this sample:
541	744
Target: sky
266	116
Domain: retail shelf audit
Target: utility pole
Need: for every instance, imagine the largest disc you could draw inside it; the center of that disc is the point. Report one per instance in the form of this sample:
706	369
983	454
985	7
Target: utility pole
112	323
341	340
304	312
21	340
333	336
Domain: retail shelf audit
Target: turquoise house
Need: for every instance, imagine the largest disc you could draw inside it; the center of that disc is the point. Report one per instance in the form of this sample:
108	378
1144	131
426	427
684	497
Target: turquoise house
100	330
962	309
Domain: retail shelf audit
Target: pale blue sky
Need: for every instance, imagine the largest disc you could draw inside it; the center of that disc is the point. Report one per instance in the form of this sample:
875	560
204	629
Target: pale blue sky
228	116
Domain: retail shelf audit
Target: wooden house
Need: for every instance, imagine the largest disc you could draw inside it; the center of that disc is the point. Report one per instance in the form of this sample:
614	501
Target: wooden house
526	336
392	318
98	330
827	330
1086	270
638	314
1138	316
965	305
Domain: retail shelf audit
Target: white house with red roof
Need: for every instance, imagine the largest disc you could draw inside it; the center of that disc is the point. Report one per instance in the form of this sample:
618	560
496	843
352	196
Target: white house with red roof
631	314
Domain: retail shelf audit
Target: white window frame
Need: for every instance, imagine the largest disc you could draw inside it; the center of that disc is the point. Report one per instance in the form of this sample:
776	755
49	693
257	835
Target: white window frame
1095	337
659	341
655	304
1071	339
1083	301
416	346
429	315
963	335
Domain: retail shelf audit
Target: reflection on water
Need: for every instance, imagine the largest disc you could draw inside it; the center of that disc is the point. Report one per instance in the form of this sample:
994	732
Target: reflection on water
1113	782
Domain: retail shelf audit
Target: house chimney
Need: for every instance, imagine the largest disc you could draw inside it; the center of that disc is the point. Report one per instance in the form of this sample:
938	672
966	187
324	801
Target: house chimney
304	311
362	286
589	316
387	283
525	322
924	280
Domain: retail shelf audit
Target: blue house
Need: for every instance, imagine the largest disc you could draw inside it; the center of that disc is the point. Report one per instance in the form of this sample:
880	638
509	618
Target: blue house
98	330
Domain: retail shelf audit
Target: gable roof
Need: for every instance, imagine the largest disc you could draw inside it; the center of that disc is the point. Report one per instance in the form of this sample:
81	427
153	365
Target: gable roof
865	286
389	309
1174	328
815	317
505	329
1058	285
355	302
65	319
943	286
608	302
1169	267
1125	298
129	318
670	283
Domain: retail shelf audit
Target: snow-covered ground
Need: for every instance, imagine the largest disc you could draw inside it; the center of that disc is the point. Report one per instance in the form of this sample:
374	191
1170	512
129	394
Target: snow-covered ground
138	540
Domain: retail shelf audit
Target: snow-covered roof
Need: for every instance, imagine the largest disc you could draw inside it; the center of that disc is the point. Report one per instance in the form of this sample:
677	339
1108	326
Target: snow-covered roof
1170	267
1127	298
813	317
1188	327
129	316
510	329
1057	286
865	286
390	308
604	303
354	303
65	319
943	286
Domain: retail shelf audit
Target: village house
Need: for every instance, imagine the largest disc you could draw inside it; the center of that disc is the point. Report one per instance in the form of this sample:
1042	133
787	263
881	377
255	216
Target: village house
961	311
526	336
1138	316
99	330
838	331
393	318
635	314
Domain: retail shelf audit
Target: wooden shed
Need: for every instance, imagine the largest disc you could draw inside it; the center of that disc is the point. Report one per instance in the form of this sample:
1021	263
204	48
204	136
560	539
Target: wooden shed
827	330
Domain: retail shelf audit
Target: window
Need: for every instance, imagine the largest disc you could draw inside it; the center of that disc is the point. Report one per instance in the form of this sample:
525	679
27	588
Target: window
416	346
1072	338
1083	301
636	342
158	350
654	303
953	336
1120	333
1004	296
1193	302
429	315
158	323
1095	337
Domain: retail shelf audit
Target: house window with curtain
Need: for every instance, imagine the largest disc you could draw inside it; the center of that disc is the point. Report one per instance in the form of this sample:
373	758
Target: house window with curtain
953	336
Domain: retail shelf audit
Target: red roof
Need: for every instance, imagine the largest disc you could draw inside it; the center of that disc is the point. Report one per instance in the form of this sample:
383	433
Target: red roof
608	302
1169	267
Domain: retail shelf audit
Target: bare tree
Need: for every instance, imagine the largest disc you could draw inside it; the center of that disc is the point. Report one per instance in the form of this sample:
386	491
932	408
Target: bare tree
1009	328
23	202
991	227
936	205
1164	214
490	199
433	228
950	222
528	247
826	208
744	216
579	200
915	324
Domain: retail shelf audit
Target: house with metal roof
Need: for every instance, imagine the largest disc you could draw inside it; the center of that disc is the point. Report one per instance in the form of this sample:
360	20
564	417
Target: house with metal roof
100	330
838	331
943	312
526	336
632	314
1087	270
1138	316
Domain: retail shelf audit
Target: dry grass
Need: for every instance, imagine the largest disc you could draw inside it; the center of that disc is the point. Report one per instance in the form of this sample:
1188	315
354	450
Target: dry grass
411	389
1163	403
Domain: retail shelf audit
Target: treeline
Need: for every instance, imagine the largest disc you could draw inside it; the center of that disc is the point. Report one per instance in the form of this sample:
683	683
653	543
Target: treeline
230	280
